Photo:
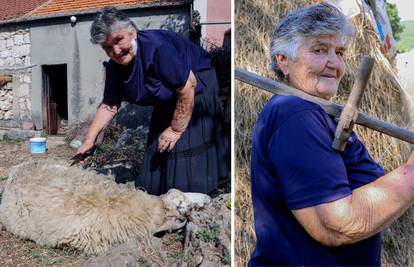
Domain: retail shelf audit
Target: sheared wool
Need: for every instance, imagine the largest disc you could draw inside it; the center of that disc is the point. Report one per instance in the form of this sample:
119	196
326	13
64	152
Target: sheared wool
56	205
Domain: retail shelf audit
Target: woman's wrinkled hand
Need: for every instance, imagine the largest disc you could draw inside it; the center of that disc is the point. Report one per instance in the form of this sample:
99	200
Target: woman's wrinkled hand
85	147
168	139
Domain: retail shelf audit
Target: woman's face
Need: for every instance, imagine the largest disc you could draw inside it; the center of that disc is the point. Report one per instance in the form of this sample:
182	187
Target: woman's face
118	46
318	67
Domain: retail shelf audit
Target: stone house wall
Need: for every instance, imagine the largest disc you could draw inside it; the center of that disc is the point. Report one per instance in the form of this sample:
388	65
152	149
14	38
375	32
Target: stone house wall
15	103
27	47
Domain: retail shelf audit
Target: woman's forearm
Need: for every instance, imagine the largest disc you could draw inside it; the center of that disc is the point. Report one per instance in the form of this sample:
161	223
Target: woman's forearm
376	205
103	116
366	212
184	106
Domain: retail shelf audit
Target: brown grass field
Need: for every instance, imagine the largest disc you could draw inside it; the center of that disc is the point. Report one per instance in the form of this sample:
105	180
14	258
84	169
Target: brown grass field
254	23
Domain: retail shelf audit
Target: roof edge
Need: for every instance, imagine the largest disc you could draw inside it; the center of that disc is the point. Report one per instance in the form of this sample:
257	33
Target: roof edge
25	18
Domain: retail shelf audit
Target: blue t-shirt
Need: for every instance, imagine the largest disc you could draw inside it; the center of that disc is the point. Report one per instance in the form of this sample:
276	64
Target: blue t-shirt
293	166
162	65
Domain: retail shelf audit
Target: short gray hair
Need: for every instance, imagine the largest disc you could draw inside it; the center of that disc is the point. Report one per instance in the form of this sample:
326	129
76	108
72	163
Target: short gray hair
108	20
314	20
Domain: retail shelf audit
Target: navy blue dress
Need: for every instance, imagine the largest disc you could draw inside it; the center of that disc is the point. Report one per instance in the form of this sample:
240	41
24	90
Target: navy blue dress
162	65
293	166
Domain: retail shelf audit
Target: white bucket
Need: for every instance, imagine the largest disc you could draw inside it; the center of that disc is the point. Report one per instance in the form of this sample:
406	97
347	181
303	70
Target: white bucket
37	145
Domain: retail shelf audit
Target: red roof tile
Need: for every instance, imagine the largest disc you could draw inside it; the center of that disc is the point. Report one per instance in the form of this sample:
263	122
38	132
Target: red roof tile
32	9
10	9
65	6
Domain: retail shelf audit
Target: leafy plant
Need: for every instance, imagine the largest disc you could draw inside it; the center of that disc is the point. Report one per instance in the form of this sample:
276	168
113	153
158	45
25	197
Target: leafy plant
7	140
210	234
182	257
228	203
226	257
142	262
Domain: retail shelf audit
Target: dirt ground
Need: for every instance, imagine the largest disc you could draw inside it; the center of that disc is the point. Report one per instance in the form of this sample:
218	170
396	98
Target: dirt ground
13	251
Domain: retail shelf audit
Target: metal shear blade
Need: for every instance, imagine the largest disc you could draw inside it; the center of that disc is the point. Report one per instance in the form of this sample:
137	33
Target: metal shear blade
80	157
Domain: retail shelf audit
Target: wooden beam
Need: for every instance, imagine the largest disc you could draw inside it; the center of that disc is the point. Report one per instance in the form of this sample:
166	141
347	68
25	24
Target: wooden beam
331	108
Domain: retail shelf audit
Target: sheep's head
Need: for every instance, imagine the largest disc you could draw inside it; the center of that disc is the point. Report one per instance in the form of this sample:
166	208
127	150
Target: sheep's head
180	203
178	206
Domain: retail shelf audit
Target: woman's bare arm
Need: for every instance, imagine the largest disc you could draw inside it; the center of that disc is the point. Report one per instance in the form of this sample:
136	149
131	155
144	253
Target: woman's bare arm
103	116
185	104
182	115
367	211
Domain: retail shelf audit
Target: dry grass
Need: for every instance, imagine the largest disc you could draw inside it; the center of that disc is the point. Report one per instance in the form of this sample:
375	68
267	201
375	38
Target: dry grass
254	24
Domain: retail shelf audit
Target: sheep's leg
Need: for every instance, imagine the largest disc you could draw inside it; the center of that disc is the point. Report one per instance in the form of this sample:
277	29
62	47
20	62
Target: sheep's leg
189	230
170	225
188	249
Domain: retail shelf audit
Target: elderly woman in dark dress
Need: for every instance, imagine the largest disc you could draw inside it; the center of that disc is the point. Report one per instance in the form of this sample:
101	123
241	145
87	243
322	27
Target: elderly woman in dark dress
185	149
313	205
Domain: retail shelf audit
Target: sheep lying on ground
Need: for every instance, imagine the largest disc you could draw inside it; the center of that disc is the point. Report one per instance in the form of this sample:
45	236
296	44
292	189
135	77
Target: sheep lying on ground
54	205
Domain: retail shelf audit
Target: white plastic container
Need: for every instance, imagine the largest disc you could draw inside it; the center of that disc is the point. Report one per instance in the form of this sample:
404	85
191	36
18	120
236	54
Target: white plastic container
37	145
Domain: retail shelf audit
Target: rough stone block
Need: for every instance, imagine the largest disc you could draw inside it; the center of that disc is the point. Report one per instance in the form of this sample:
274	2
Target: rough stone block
26	38
27	79
9	42
15	51
18	39
1	62
26	61
28	125
8	115
9	96
4	35
24	90
24	50
29	107
9	61
5	53
2	45
22	104
18	61
5	105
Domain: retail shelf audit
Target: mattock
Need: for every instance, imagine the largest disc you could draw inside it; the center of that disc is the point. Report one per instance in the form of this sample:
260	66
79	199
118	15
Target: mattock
350	112
331	108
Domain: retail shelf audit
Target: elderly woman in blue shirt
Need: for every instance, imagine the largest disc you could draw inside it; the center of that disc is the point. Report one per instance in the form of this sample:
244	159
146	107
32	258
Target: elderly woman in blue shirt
313	205
186	148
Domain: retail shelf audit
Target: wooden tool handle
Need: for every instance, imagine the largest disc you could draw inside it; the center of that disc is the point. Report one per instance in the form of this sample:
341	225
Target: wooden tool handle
361	81
349	114
331	108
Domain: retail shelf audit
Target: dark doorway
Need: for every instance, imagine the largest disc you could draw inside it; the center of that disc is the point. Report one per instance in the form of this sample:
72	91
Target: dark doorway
55	97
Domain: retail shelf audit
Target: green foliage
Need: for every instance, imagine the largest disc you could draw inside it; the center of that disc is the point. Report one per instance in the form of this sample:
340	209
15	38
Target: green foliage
3	178
228	203
32	253
8	141
396	26
43	133
210	234
226	257
142	262
182	257
406	43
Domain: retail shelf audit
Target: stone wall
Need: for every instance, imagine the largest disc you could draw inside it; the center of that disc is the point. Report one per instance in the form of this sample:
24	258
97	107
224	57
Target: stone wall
15	49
